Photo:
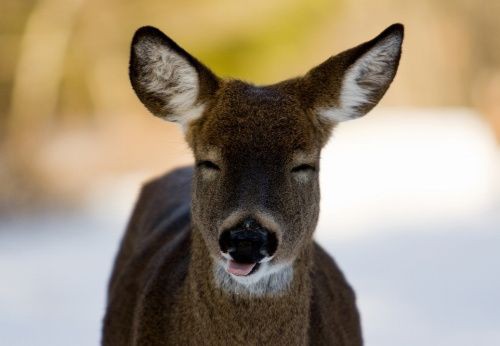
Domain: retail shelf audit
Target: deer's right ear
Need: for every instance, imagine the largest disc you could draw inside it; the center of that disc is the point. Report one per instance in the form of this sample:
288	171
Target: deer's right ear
171	83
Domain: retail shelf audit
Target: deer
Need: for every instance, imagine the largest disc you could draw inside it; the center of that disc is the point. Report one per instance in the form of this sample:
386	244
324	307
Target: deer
222	252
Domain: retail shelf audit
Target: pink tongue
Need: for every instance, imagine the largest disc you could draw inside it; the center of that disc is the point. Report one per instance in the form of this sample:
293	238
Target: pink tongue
239	269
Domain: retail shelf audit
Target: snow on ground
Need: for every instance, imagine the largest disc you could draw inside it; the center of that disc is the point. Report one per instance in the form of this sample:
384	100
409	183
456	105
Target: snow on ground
410	210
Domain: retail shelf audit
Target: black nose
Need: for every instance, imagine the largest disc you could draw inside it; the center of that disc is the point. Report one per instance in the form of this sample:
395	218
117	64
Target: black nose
248	242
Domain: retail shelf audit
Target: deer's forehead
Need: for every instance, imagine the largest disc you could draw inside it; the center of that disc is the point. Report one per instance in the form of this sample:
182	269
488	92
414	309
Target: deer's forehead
251	119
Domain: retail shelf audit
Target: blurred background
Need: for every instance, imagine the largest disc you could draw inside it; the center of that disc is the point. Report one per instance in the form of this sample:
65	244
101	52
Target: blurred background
411	192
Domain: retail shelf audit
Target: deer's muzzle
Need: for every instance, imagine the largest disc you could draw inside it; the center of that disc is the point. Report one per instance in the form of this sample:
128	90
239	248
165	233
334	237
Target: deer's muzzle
248	242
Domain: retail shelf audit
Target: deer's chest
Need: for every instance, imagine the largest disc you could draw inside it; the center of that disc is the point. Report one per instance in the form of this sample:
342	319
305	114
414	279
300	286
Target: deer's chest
225	320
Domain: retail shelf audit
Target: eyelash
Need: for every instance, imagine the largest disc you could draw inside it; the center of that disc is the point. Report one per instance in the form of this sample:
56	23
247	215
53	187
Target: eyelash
208	165
303	168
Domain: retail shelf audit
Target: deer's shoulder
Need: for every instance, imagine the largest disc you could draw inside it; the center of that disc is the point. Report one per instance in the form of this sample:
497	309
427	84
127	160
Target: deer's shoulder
156	242
162	196
334	317
161	214
162	211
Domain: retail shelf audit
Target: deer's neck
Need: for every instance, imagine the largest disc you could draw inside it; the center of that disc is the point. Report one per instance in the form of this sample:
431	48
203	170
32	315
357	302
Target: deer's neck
216	316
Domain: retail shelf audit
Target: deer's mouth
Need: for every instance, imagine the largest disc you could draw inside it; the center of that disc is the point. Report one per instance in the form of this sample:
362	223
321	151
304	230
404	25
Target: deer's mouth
241	269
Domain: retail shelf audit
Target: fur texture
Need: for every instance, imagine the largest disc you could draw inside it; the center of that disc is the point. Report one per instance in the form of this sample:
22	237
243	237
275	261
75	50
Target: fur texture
162	291
257	152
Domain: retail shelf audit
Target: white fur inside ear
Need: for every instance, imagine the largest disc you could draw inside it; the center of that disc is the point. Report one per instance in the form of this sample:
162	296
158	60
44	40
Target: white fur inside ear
364	79
171	79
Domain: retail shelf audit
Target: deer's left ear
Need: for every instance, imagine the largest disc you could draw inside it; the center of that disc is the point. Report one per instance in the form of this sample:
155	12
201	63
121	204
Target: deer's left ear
350	84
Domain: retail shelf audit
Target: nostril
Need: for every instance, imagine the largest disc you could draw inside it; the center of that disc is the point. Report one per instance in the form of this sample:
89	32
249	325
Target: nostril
225	241
272	244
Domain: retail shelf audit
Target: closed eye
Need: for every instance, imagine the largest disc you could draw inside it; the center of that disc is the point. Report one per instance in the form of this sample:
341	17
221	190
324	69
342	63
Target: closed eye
303	168
208	165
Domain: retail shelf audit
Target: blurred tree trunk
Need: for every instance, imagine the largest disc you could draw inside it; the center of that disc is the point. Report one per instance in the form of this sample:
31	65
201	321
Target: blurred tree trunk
34	98
41	63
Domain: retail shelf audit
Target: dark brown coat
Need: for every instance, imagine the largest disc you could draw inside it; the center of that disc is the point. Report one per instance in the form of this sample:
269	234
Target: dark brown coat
160	295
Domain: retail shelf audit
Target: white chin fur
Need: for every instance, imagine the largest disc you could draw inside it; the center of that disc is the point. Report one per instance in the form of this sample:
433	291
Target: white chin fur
269	279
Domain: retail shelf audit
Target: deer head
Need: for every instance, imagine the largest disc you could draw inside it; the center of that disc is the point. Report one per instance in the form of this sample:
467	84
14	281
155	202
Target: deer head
256	194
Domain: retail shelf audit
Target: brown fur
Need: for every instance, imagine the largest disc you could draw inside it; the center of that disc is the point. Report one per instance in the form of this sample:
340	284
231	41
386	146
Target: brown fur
148	305
163	290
